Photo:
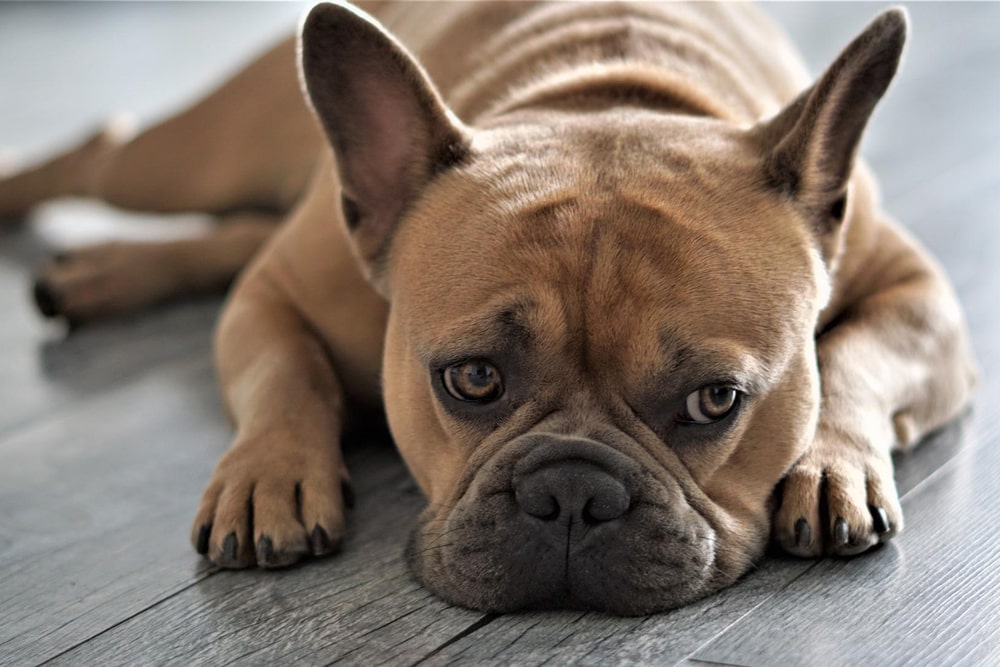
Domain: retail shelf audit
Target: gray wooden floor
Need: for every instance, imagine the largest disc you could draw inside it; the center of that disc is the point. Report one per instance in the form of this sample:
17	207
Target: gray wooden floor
107	435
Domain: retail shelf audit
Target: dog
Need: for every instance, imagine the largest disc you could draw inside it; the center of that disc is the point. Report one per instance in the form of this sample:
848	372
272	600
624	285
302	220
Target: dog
614	271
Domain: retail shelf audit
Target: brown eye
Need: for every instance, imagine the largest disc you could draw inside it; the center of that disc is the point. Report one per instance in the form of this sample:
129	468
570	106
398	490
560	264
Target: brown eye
473	380
709	404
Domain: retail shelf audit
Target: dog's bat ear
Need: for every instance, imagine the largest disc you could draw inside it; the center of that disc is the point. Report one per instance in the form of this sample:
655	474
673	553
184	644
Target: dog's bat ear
811	144
389	129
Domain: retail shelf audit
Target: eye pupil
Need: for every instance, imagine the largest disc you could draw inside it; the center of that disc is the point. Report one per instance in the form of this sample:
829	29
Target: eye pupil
480	375
709	404
716	401
474	380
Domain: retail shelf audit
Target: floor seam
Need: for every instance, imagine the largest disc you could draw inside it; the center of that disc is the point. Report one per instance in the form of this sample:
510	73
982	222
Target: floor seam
769	598
468	630
202	577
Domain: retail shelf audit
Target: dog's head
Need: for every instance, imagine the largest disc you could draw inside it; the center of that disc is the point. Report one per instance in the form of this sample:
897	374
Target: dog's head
600	353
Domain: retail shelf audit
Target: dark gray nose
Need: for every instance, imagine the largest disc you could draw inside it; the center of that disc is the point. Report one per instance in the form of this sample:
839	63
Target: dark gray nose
571	491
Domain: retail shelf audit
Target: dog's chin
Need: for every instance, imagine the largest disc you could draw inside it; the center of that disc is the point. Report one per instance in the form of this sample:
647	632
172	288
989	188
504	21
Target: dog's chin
488	556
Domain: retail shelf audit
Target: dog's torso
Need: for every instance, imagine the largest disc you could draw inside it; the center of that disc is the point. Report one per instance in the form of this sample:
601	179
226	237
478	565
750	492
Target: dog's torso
710	58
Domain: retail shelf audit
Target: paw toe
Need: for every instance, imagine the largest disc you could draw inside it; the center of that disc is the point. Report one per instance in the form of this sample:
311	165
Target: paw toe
202	537
320	542
883	505
880	520
230	552
48	299
798	516
322	506
270	555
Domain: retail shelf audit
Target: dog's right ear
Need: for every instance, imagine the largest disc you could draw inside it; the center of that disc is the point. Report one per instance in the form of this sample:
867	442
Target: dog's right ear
389	129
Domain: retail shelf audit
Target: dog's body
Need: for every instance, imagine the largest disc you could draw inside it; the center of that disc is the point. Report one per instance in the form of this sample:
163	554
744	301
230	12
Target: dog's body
638	222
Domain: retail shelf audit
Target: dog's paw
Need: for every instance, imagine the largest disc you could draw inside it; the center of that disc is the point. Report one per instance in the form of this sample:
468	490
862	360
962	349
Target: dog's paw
839	499
269	505
102	281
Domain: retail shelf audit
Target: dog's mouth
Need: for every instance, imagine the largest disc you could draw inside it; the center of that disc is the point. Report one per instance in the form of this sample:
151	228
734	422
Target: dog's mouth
489	555
590	531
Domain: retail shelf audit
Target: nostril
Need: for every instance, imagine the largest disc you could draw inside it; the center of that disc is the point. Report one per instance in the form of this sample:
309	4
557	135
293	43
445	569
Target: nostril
537	502
607	504
554	510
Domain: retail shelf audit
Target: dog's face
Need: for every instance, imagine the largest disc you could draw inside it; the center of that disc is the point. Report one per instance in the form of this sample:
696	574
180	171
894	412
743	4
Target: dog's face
597	373
600	352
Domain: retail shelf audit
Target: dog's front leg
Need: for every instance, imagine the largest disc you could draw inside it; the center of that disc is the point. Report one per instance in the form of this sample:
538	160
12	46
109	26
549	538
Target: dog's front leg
894	364
276	495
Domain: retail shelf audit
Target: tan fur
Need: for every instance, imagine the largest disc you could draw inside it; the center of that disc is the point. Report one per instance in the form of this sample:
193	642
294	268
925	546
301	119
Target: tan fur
614	202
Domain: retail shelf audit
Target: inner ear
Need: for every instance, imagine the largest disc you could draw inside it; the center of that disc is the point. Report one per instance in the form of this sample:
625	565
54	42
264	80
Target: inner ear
811	145
389	129
839	208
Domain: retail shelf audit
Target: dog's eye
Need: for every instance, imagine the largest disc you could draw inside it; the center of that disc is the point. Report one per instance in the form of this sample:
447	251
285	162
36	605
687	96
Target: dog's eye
474	380
709	404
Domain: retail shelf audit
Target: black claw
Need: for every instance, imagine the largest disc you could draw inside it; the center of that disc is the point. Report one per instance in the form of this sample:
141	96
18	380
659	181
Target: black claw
203	534
47	299
265	550
803	534
348	493
229	547
841	531
880	520
320	541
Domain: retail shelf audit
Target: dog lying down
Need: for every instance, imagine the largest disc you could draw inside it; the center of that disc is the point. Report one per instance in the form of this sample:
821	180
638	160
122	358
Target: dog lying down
614	271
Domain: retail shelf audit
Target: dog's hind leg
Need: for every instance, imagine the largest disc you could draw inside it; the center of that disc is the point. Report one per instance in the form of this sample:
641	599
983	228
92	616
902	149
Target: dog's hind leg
67	174
251	144
116	278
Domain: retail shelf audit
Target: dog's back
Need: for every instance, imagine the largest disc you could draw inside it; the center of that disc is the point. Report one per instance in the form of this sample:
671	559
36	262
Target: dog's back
721	59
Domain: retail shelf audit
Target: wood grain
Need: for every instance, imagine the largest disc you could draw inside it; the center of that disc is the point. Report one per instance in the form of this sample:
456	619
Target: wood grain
359	606
75	557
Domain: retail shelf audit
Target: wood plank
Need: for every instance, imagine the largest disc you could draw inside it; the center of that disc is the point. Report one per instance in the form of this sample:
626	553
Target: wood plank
96	505
929	598
44	369
358	606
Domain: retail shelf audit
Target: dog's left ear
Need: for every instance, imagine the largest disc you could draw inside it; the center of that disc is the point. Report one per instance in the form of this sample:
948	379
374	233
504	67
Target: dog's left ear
389	129
811	145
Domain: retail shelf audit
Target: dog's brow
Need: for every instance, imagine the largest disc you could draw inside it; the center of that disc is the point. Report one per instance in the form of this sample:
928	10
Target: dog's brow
502	328
511	324
723	360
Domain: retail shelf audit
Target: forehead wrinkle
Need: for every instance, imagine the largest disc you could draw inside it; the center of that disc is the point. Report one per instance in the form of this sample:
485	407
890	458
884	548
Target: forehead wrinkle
649	253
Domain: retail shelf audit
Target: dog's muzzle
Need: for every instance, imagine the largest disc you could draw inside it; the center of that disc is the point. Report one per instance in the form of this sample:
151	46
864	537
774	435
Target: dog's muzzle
563	521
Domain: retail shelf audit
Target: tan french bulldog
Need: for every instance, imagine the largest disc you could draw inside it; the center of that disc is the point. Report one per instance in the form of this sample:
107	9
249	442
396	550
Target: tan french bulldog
613	269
